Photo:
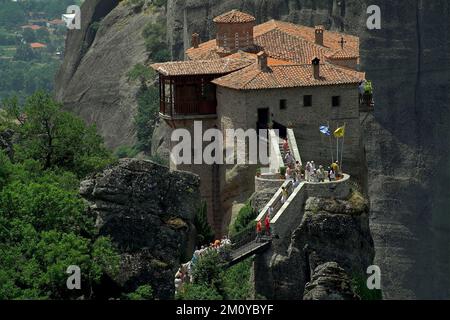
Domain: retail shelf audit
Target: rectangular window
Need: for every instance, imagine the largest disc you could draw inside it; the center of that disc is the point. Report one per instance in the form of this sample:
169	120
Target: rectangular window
283	104
307	101
336	101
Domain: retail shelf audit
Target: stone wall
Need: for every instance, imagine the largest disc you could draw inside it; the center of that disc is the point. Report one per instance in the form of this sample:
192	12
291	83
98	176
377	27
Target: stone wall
262	182
239	109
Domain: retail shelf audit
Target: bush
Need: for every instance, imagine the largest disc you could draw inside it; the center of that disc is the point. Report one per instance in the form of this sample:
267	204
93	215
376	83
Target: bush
199	292
208	269
125	152
236	281
244	220
142	293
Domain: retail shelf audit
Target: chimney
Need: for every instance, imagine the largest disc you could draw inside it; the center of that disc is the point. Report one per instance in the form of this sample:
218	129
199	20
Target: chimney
195	40
316	68
262	61
319	35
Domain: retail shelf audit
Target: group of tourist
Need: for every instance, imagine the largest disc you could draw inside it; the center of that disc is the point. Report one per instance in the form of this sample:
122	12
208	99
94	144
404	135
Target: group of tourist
310	173
184	273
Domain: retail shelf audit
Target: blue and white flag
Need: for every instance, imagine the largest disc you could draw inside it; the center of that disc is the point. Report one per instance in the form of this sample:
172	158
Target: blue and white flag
325	130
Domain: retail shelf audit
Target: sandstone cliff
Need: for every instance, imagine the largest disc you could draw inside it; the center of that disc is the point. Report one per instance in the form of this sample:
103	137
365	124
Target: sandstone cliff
148	212
92	81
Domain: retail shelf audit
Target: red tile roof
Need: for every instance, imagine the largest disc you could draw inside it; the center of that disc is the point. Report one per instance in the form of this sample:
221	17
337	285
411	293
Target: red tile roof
234	16
200	67
32	27
287	76
37	45
343	54
252	57
286	41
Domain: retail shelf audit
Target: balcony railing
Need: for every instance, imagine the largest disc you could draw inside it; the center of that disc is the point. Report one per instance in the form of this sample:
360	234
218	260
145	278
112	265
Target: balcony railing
188	108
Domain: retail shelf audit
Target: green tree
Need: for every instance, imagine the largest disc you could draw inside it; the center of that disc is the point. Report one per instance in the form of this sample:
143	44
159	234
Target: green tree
29	35
204	231
24	53
244	220
11	14
154	35
56	138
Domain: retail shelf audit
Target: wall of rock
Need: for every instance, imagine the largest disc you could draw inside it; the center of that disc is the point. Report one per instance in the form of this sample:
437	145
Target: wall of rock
331	231
148	212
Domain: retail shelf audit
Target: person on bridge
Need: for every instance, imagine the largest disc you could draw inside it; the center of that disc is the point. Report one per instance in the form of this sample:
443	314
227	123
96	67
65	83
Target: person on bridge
267	225
258	231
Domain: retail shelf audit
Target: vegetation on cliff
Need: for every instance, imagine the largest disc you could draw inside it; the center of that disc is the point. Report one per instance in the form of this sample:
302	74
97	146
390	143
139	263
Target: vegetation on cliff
44	227
212	281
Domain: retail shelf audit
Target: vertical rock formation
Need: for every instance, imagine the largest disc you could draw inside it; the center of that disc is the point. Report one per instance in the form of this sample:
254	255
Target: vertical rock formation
92	81
331	231
407	144
148	212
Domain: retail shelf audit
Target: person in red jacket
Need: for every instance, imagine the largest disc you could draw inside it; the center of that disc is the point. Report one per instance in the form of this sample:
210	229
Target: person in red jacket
267	224
258	231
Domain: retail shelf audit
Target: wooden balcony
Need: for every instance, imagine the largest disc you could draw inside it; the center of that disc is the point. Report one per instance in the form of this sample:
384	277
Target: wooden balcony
188	109
187	97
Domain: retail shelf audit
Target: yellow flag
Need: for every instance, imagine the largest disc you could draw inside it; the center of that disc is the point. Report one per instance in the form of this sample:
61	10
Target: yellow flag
340	132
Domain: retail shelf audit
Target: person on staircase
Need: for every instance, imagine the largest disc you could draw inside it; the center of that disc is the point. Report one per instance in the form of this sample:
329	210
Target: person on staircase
267	225
285	146
289	159
258	231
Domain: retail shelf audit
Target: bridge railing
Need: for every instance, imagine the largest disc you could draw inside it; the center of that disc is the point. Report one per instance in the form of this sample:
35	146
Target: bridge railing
243	237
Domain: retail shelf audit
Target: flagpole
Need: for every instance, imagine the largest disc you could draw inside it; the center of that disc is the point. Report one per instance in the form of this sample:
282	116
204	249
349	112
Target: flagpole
343	141
331	144
337	147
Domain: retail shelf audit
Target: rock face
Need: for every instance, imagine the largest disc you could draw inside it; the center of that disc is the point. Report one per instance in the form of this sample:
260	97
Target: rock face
148	212
331	231
329	282
407	147
92	81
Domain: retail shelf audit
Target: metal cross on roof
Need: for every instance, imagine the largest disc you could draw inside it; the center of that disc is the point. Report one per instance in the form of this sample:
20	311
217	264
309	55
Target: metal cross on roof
342	42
